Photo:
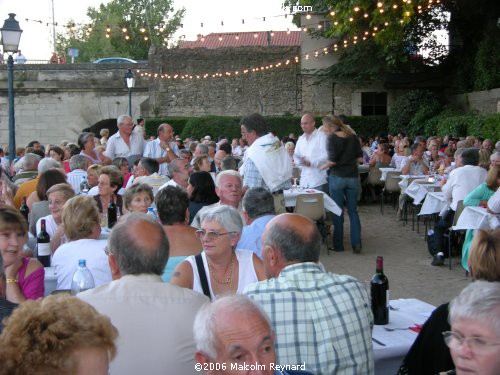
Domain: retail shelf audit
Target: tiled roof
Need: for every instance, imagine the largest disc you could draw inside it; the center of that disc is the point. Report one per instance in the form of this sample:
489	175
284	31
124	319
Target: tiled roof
257	38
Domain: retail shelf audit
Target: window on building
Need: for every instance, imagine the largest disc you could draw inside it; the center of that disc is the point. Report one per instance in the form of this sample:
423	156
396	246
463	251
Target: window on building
373	103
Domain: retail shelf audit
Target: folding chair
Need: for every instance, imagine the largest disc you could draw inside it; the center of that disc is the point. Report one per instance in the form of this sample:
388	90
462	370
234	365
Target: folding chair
391	186
311	206
449	234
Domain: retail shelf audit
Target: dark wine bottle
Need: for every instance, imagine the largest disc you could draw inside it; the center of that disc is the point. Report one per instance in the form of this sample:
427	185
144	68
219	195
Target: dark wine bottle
43	245
380	294
24	209
112	214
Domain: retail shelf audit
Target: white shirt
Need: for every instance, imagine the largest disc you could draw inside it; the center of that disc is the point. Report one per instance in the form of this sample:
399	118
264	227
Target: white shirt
313	148
461	182
75	177
153	150
66	258
155	181
116	146
155	321
494	202
170	183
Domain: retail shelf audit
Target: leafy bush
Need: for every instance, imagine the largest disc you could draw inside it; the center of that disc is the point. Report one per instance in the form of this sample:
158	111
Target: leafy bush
487	127
457	125
368	126
431	124
214	126
406	107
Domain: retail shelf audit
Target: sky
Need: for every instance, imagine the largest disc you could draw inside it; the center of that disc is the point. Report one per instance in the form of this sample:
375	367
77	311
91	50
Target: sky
37	41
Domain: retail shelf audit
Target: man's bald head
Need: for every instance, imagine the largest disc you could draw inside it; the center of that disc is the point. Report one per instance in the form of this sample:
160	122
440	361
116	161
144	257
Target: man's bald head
139	245
295	236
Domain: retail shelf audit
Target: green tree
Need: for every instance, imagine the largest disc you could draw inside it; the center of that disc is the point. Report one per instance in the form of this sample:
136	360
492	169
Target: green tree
399	28
125	28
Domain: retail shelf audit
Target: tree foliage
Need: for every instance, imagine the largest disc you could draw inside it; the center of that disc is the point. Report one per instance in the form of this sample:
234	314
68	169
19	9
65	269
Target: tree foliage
399	29
145	22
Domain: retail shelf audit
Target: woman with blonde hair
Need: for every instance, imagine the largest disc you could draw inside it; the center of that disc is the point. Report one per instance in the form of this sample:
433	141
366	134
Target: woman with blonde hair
93	173
344	155
81	222
57	335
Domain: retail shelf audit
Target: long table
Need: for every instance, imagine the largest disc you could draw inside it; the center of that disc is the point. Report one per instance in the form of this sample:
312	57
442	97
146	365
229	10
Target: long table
473	217
390	347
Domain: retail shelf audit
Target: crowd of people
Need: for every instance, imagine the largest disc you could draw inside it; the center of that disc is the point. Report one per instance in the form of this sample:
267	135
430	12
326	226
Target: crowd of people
205	264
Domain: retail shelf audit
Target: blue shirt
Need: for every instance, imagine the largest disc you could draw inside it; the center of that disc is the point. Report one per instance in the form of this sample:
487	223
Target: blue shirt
251	235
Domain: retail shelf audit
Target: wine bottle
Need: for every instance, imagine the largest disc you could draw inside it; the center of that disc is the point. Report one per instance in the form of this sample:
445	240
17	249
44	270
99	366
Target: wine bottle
24	209
380	294
112	214
43	245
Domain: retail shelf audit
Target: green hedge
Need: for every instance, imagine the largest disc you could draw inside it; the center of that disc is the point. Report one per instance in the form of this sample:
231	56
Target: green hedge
282	126
486	126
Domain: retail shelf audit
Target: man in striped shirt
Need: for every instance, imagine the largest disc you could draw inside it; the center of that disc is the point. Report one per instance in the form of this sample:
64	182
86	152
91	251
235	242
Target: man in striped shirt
319	318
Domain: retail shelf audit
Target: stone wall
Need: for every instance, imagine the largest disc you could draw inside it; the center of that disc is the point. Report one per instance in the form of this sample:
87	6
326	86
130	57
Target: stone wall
484	102
55	102
271	92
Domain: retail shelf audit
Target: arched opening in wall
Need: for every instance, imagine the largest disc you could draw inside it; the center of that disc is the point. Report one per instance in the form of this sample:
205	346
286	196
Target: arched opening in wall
109	124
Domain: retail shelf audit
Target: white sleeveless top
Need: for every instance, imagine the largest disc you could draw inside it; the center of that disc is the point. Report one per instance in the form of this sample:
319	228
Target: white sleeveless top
246	271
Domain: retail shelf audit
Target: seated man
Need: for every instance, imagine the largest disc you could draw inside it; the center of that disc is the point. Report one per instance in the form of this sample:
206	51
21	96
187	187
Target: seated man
78	165
178	170
301	298
234	336
228	187
258	210
154	318
462	180
147	173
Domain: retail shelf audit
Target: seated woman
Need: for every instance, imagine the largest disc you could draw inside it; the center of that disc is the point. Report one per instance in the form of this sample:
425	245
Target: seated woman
429	354
172	205
93	173
138	198
201	191
479	197
381	157
24	276
201	163
86	142
225	269
39	200
56	153
110	182
81	222
400	154
57	335
57	196
474	337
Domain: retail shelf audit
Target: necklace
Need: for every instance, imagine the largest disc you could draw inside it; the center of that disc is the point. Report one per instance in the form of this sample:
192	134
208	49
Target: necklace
229	276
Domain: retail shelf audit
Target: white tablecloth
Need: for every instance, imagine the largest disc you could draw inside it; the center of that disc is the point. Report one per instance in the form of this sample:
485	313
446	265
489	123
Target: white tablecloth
418	190
384	172
477	218
388	357
434	203
291	199
405	177
50	280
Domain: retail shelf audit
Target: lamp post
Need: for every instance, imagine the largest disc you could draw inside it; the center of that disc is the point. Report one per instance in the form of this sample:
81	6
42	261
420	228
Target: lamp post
130	82
11	34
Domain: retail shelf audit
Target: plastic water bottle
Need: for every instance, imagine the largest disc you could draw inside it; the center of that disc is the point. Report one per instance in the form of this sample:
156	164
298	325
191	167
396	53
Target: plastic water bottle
84	186
151	212
82	279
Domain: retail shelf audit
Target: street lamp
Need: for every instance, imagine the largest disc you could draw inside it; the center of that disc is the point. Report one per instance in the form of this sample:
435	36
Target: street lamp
11	34
130	82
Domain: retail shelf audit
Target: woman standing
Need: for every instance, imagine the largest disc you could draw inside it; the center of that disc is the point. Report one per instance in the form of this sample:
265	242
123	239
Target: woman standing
344	155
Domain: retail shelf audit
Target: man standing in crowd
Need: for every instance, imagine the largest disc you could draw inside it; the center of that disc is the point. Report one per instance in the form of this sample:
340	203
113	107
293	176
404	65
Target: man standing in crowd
301	298
462	180
310	153
155	319
267	163
124	142
163	149
78	165
258	210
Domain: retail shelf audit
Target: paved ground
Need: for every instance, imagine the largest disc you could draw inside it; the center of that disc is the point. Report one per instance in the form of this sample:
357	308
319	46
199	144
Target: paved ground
406	259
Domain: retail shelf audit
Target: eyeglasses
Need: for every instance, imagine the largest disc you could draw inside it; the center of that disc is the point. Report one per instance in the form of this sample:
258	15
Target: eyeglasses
476	344
212	235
